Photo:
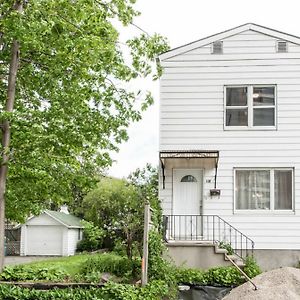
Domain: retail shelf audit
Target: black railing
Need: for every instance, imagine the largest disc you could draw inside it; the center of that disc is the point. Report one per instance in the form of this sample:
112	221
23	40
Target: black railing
210	228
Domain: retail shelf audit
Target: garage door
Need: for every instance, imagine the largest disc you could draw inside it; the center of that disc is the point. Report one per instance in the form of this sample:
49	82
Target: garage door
44	240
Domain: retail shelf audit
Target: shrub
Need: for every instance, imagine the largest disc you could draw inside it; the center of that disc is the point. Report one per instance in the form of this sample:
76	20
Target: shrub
226	246
92	237
158	267
120	266
251	267
225	276
190	276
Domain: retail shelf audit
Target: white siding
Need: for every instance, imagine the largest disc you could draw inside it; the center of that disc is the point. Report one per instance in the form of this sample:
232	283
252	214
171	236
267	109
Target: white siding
42	219
191	117
72	240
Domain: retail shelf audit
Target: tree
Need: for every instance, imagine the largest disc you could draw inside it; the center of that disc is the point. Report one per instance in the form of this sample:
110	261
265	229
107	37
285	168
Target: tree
117	205
146	182
72	104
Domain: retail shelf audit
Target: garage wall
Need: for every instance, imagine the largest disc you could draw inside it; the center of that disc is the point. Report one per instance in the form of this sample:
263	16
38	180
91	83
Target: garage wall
42	219
72	240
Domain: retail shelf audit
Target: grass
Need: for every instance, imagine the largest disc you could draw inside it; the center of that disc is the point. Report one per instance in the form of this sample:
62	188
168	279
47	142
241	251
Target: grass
70	264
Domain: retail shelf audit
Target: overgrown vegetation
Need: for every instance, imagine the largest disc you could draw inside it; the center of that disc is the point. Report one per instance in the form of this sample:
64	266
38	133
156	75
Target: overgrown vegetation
156	290
25	273
117	207
119	266
225	276
92	237
226	246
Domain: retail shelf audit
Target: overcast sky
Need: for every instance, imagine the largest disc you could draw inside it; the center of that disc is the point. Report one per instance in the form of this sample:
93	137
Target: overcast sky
184	21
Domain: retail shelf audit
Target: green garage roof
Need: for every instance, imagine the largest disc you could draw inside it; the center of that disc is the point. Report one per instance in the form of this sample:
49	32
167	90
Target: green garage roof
65	219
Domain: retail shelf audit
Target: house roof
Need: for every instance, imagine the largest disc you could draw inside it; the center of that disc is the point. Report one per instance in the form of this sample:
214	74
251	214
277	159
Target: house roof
225	34
64	219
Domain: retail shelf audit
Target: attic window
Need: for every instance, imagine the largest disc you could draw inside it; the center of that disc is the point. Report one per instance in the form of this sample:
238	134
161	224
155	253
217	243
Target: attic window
217	47
282	46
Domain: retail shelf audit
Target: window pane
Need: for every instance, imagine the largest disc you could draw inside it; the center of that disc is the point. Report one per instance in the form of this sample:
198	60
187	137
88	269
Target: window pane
283	189
188	178
237	117
236	96
263	96
263	117
252	189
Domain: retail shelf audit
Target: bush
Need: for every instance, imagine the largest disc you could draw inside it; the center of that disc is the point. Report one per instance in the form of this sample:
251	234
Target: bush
158	267
251	267
156	290
117	265
190	276
225	276
92	237
21	273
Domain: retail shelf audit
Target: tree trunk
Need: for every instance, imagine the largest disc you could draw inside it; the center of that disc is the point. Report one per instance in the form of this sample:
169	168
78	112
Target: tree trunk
11	90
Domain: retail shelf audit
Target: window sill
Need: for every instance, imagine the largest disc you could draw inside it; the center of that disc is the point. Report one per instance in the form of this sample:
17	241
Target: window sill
257	128
263	212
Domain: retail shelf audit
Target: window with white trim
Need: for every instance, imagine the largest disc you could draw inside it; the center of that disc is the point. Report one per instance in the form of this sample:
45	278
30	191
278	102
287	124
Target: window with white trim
264	189
250	107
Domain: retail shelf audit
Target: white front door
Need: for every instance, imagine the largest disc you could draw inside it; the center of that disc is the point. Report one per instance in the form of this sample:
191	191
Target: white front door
187	203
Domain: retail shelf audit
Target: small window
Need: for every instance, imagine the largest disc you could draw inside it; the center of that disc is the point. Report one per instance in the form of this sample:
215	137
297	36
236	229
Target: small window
270	189
282	46
188	178
217	47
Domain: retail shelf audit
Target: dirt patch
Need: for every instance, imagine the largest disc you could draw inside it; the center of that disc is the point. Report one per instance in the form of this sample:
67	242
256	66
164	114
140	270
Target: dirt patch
279	284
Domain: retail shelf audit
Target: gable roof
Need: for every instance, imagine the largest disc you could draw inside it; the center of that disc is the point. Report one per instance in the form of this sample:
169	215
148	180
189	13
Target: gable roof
225	34
65	219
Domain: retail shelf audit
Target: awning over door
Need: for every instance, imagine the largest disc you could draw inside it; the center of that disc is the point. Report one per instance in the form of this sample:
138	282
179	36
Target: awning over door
187	154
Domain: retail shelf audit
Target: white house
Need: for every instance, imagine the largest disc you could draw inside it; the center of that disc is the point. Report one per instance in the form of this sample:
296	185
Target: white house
51	233
230	142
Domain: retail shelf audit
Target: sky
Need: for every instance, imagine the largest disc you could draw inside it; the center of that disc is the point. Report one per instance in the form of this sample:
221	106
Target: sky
181	22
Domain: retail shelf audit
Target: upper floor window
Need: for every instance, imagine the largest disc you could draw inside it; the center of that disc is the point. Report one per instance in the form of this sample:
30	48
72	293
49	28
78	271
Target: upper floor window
250	107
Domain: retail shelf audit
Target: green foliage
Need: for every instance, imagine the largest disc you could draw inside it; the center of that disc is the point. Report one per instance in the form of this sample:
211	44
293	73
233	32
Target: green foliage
156	290
112	263
190	276
92	237
116	207
251	268
146	182
73	104
158	267
226	246
225	276
21	273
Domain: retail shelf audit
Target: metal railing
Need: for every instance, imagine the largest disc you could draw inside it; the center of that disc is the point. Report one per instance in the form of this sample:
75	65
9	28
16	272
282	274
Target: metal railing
210	228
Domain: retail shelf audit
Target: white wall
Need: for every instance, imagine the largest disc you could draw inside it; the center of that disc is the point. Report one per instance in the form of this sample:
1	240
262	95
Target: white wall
72	240
191	117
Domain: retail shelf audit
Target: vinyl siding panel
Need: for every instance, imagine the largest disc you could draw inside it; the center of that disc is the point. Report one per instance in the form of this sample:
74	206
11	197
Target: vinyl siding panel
192	117
72	240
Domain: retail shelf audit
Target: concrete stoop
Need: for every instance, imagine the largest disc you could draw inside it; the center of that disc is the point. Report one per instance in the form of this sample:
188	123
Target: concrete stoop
200	254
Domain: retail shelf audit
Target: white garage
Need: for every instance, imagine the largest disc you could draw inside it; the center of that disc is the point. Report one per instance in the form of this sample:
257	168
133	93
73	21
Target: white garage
51	233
